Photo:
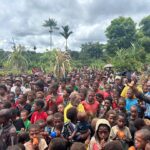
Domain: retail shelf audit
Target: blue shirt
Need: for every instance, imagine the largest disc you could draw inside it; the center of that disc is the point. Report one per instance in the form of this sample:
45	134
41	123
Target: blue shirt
147	112
130	103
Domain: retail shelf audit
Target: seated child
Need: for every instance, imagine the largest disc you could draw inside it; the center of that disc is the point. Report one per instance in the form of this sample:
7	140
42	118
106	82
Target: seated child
82	128
120	131
24	116
36	142
39	114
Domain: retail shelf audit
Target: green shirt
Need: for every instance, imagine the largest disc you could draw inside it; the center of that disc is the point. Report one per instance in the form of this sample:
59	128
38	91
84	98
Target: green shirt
27	124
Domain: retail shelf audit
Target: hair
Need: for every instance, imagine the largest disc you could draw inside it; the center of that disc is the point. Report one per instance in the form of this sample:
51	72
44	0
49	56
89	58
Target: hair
122	115
16	147
139	123
111	112
78	146
57	144
25	111
113	145
50	119
40	103
41	93
6	113
59	115
34	126
23	137
2	86
72	113
6	105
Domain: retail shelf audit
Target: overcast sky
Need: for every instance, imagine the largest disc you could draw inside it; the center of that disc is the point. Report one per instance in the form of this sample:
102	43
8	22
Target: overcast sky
22	20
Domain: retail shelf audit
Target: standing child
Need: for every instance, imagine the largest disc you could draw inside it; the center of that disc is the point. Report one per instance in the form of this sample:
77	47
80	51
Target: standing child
120	131
130	100
39	114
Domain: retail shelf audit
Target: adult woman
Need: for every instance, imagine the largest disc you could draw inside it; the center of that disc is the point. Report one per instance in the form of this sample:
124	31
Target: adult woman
101	135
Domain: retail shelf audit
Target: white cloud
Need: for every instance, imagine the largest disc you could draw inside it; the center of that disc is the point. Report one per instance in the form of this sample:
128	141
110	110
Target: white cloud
88	19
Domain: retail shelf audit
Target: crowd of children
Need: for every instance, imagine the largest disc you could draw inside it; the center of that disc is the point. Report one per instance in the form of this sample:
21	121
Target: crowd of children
86	110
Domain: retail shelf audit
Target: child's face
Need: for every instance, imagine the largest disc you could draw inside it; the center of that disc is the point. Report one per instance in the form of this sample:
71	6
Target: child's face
107	103
134	112
139	141
24	116
129	94
58	123
36	108
121	121
60	108
103	132
112	119
121	105
91	97
33	133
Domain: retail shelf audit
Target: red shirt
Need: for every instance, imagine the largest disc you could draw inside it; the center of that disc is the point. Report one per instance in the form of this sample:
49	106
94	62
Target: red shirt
91	108
38	116
58	101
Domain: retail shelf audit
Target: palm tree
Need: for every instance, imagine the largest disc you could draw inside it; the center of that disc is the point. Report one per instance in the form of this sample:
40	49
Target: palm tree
52	24
66	33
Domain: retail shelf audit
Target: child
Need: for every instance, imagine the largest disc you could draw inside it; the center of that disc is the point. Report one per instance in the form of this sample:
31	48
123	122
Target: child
111	117
50	123
39	114
141	139
131	119
61	108
121	106
24	116
106	108
130	100
120	131
8	136
82	128
36	142
58	125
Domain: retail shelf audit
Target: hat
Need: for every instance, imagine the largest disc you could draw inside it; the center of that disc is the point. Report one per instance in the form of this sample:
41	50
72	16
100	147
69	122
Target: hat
117	78
18	79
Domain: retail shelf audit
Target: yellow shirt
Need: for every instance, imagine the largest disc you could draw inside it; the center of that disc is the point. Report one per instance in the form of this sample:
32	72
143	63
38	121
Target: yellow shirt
80	108
124	91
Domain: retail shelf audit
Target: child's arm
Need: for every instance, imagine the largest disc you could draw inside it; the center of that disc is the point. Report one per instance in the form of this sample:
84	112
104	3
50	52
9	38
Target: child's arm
72	135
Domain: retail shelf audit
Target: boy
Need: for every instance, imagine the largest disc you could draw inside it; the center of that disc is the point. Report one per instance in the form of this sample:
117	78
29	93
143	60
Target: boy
8	135
36	142
130	100
39	114
24	117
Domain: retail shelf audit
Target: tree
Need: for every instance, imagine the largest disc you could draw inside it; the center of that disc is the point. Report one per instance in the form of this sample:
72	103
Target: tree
120	33
16	59
145	26
144	31
52	24
66	33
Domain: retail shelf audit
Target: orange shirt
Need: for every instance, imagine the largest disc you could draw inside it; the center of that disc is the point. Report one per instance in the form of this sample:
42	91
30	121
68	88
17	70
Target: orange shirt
91	108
